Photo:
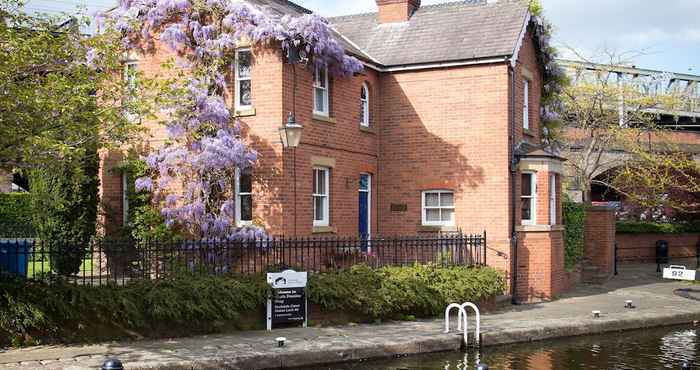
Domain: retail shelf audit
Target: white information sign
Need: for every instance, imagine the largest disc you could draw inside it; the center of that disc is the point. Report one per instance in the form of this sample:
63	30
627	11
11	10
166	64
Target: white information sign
676	272
288	303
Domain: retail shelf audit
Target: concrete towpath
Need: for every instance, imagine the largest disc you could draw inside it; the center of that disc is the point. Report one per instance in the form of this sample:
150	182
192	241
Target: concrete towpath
655	301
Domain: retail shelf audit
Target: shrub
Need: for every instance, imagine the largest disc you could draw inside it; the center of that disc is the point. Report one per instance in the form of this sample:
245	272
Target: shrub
656	228
16	216
33	312
574	219
64	205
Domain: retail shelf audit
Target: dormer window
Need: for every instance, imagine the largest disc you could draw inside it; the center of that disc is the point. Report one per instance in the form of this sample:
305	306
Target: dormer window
321	92
364	106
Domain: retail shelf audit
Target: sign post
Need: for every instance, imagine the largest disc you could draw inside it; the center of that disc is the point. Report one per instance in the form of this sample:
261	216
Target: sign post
676	272
288	303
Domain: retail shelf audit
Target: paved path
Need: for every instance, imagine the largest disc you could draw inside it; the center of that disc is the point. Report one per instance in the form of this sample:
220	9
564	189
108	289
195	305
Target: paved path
656	305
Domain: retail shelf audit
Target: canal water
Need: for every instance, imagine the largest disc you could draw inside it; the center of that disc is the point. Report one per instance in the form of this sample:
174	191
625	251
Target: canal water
665	348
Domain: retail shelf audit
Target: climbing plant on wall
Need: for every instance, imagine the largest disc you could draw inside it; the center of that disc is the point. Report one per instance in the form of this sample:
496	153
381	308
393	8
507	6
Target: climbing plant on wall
204	146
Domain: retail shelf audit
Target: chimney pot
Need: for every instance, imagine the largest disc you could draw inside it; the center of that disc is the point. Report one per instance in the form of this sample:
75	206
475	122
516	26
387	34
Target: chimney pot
394	11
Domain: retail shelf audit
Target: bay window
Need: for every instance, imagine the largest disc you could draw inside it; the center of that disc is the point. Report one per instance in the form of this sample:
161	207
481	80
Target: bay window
528	198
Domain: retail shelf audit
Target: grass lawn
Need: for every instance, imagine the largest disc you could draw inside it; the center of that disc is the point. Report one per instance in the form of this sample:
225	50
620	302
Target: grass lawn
37	267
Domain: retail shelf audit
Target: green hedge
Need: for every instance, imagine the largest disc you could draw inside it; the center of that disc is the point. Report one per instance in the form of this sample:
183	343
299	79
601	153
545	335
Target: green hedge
574	220
16	216
655	228
33	313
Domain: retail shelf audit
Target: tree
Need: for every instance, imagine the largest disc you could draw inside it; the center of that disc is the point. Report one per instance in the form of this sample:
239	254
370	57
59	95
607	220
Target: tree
190	177
50	74
612	137
64	200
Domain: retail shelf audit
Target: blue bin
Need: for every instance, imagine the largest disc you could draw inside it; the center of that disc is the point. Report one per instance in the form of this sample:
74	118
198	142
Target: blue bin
14	256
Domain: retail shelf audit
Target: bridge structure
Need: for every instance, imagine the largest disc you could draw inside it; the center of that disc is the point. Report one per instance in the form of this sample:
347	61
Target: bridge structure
682	123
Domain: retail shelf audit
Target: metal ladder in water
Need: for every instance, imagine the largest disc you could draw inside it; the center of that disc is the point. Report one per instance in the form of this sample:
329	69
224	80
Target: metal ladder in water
463	323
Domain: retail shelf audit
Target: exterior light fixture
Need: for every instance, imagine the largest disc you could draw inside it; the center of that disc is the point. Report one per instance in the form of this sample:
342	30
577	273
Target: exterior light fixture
290	133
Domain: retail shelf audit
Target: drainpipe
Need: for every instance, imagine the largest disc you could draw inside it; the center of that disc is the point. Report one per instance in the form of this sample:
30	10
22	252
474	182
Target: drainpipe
513	162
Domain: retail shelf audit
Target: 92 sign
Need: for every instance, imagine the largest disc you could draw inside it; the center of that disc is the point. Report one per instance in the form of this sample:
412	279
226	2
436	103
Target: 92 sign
679	273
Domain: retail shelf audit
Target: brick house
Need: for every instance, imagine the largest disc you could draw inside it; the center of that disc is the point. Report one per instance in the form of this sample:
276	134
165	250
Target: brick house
439	133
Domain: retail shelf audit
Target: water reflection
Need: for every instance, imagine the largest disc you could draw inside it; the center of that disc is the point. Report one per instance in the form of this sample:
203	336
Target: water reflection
646	349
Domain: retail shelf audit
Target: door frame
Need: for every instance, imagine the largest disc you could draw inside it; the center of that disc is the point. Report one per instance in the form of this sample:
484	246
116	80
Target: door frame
369	202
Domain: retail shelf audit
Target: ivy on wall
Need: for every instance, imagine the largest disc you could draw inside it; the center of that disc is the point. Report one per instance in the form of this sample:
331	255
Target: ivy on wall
574	219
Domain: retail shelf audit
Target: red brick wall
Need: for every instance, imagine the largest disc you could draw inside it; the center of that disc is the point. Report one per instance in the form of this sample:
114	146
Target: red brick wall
599	238
541	274
641	248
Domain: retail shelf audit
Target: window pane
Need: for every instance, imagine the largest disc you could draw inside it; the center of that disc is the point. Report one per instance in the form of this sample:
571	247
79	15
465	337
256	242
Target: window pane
364	182
363	94
319	208
448	215
527	184
245	94
321	77
246	183
432	215
321	182
244	64
320	96
315	190
526	208
246	208
432	200
447	200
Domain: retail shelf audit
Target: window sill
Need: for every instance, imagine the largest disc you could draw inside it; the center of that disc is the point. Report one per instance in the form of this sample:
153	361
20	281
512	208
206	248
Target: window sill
367	129
528	132
244	112
324	230
539	228
322	118
437	229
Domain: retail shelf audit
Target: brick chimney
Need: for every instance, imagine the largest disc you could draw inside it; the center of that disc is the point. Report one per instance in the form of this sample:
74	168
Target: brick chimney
393	11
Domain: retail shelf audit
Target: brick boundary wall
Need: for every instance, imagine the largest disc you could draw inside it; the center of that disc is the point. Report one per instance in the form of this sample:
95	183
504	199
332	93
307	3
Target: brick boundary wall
641	248
599	239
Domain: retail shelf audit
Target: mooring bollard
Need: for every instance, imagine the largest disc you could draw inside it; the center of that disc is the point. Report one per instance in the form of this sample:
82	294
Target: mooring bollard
482	367
112	364
280	341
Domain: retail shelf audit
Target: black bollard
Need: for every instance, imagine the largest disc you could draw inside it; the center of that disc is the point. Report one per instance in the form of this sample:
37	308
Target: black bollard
482	367
112	364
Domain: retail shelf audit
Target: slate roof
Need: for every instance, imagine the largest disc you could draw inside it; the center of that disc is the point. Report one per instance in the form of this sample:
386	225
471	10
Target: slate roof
284	7
457	31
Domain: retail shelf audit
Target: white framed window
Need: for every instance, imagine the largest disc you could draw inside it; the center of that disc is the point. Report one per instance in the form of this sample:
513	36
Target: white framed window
438	208
552	199
131	79
364	105
244	197
528	198
526	105
321	92
243	79
321	196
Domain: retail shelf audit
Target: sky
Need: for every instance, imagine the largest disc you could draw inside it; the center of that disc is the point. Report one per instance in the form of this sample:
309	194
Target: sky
654	34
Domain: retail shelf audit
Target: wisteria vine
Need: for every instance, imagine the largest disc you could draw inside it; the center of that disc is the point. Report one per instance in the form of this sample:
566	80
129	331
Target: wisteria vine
193	174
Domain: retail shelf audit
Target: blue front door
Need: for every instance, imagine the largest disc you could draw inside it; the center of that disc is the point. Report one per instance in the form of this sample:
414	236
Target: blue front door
364	206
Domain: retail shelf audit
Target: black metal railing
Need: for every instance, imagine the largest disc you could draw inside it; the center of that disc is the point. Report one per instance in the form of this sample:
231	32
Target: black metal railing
110	261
